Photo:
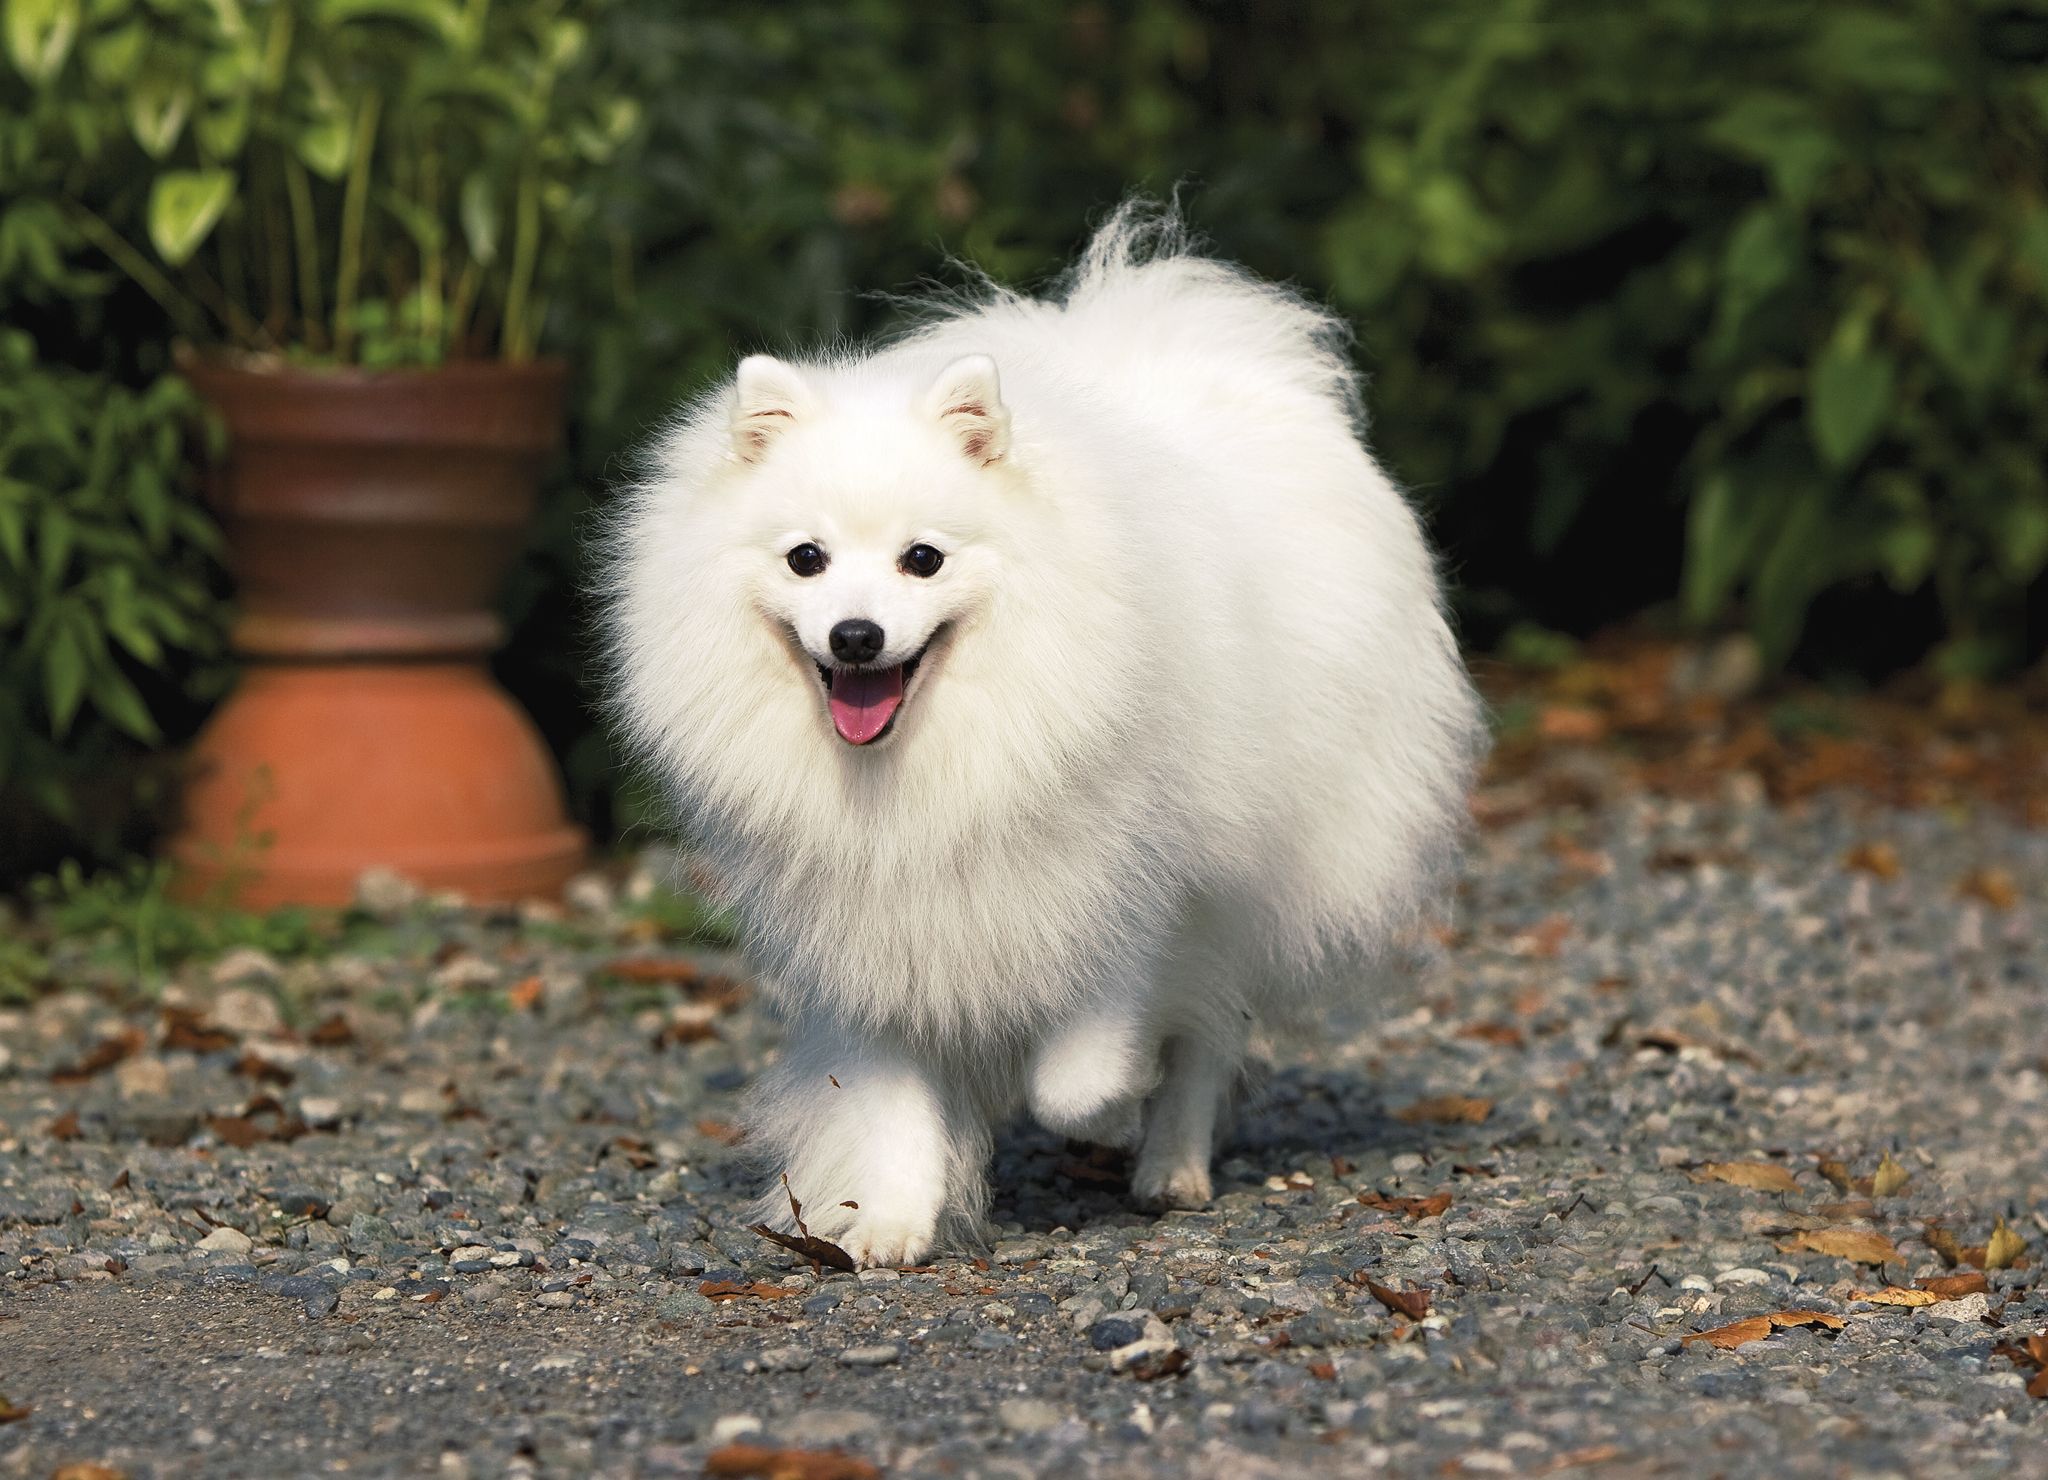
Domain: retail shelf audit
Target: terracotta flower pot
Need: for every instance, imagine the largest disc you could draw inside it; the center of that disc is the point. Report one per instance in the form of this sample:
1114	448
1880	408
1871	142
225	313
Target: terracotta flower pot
370	518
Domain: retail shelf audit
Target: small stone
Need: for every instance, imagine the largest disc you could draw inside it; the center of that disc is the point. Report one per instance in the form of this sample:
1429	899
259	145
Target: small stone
245	964
384	894
1027	1415
555	1299
786	1358
826	1428
249	1013
143	1078
882	1354
321	1112
1742	1276
227	1241
730	1426
1121	1329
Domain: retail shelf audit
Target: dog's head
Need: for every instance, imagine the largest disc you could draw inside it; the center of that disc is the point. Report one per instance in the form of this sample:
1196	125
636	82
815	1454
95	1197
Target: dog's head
864	524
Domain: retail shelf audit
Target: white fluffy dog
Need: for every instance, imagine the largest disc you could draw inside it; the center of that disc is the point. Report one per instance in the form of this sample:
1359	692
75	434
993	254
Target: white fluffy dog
1060	694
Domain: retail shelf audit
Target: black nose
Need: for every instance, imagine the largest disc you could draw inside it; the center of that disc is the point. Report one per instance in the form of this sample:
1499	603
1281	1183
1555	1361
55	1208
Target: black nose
856	640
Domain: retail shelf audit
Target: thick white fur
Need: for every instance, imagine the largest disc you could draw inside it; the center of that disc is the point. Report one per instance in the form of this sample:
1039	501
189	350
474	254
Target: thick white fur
1191	745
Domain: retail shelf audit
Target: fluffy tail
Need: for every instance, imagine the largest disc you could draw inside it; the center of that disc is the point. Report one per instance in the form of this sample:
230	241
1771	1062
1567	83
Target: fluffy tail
1142	293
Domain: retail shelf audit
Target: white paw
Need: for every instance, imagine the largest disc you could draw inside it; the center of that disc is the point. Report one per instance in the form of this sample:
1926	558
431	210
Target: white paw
1157	1185
879	1240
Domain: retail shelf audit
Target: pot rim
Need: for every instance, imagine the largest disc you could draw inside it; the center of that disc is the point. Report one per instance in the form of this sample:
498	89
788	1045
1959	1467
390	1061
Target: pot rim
222	362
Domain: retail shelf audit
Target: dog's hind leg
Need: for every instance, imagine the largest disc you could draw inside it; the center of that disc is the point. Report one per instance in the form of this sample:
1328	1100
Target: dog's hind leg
1089	1078
1181	1123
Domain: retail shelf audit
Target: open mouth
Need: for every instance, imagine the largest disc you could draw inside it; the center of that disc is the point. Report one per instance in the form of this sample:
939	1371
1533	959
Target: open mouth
864	701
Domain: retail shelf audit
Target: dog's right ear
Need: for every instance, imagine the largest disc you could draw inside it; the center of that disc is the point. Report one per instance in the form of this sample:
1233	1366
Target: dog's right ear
770	397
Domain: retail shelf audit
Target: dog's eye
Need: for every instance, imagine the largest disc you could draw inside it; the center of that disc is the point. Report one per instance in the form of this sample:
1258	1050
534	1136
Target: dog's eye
806	559
921	560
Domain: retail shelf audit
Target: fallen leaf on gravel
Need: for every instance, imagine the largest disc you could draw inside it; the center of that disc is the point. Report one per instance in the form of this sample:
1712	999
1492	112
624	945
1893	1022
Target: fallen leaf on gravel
1955	1286
1409	1207
824	1251
1571	723
185	1029
1323	1371
1572	1459
1447	1110
252	1065
2006	1250
1756	1328
1763	1176
740	1289
1992	885
1165	1364
2034	1354
756	1462
237	1130
1881	859
12	1412
1855	1207
101	1057
332	1031
1542	940
524	994
1944	1243
1838	1173
720	1131
1505	1034
1413	1304
1890	1177
87	1471
65	1127
1858	1245
1896	1295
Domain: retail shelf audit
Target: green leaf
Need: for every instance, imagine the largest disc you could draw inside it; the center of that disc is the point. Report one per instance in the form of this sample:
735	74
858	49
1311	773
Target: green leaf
323	145
39	35
1848	398
479	211
1907	550
156	115
63	678
184	206
2023	538
114	697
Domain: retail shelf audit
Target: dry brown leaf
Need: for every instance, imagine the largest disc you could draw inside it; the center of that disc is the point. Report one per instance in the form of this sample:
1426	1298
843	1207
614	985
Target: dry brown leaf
1542	940
1163	1364
2033	1354
1413	1304
332	1031
1837	1173
1944	1243
662	971
822	1250
1855	1207
101	1057
2005	1250
252	1065
1763	1176
186	1029
1896	1295
1881	859
1408	1207
741	1289
1505	1034
1992	885
87	1470
758	1462
1572	1459
12	1412
723	1132
1756	1328
1955	1286
65	1127
1890	1177
524	995
1858	1245
1447	1110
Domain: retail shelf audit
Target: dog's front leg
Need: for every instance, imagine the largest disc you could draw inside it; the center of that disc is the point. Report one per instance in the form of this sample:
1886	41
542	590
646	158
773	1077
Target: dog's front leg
861	1129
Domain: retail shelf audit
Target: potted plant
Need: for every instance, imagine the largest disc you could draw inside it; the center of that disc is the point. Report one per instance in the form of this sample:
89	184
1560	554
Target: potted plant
353	212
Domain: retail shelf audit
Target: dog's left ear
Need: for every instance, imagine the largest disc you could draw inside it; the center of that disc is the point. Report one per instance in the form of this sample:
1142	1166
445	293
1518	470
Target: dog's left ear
968	402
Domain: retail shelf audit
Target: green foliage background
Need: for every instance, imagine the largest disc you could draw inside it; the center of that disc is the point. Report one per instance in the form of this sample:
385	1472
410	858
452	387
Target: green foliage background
1732	310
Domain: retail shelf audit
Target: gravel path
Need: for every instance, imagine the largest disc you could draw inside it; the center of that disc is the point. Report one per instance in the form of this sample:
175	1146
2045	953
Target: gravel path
487	1219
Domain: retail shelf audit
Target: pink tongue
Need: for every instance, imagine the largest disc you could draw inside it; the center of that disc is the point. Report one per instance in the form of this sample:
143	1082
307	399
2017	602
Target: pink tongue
863	699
